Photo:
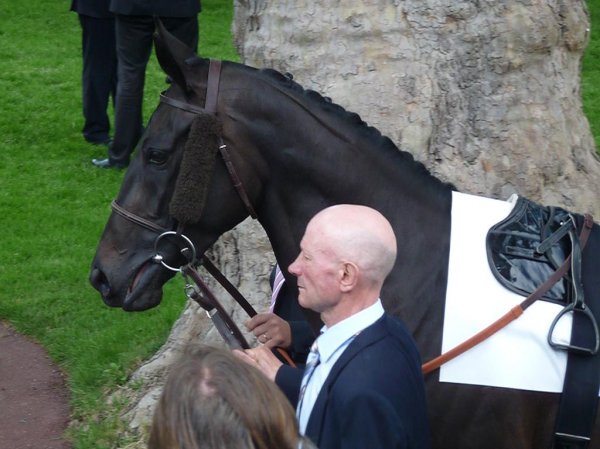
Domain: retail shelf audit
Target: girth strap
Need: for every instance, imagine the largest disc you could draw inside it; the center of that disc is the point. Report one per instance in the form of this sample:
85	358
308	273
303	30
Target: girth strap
579	400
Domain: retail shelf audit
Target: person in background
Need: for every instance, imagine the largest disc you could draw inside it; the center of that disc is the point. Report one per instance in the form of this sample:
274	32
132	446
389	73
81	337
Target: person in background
284	326
99	74
362	386
135	24
212	400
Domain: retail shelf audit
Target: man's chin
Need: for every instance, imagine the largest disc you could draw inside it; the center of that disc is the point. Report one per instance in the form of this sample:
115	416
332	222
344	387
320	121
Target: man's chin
301	299
305	302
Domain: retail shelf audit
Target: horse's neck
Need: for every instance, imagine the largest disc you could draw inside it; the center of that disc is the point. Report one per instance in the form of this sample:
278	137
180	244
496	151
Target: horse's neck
417	205
308	159
305	179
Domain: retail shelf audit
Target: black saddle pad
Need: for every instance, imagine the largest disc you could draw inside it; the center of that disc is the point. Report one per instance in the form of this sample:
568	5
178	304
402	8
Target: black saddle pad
512	250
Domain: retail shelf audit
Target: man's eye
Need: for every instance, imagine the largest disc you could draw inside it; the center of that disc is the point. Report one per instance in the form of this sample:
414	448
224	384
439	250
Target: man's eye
157	157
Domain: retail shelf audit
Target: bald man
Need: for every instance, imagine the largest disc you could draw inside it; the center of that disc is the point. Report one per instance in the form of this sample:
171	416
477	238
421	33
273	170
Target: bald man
363	386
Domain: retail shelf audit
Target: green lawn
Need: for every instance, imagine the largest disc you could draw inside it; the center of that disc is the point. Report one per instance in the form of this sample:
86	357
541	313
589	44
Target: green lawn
590	73
53	205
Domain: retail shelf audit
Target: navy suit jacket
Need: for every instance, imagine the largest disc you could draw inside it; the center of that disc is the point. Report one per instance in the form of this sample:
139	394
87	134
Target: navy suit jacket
373	398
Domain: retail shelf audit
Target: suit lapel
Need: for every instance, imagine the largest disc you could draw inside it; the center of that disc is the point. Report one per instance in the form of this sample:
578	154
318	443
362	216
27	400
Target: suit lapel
367	337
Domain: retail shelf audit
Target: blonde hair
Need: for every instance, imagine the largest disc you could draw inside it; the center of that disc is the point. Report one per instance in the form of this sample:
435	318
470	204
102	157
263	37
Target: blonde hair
212	400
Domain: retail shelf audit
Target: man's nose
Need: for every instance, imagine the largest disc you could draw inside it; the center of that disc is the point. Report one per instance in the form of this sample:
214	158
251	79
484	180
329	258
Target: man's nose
293	268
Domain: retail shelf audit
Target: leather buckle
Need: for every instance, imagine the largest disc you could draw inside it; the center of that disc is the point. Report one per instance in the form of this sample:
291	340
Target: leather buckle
569	441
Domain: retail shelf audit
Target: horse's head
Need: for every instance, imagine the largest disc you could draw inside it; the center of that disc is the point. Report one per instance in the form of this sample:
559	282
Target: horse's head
178	179
290	153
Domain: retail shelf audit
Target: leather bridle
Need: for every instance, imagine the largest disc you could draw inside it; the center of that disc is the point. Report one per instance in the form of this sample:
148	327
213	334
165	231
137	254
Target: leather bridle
199	291
212	92
212	88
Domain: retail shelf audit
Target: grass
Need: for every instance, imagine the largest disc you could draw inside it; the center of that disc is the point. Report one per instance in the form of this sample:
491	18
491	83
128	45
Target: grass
54	204
590	73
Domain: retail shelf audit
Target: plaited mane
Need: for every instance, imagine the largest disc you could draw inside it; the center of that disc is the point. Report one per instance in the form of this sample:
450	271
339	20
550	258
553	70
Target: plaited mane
197	167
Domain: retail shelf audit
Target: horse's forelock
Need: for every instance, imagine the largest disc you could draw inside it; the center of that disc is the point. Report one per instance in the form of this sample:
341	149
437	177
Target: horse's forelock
197	166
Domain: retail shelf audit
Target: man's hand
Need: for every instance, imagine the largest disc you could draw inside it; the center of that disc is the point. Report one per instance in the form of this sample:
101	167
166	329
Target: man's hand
270	330
261	358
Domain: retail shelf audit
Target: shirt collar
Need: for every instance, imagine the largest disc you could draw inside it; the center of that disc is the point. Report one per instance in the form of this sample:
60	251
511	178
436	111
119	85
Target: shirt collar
335	336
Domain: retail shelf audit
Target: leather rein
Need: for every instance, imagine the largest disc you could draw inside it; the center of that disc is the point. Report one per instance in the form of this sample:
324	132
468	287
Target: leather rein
195	288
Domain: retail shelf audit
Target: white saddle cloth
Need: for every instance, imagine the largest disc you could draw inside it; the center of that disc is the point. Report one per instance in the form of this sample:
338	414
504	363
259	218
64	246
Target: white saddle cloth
517	356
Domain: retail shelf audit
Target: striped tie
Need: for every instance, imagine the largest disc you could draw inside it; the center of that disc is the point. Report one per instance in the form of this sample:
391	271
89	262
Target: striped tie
312	361
277	284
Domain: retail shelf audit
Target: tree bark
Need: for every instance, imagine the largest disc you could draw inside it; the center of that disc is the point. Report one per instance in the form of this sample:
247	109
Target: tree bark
484	93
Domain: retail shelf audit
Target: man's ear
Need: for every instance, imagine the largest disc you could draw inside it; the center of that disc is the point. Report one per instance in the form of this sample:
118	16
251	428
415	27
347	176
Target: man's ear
349	276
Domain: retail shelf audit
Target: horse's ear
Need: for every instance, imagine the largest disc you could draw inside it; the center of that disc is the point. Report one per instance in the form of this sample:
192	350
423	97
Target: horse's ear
172	54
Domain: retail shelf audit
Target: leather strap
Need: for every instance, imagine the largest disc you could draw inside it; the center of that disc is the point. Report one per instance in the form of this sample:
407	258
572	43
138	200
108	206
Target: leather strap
579	400
212	92
210	106
233	333
136	218
212	85
512	314
234	292
184	106
235	179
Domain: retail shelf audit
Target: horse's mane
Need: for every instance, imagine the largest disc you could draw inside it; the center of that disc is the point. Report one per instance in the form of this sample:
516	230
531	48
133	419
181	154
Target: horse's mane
371	133
286	81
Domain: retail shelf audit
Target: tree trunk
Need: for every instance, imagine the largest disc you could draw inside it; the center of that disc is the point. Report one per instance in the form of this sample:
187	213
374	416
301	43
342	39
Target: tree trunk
484	93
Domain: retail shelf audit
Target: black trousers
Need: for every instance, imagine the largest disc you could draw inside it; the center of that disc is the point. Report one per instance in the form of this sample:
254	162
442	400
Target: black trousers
134	45
99	75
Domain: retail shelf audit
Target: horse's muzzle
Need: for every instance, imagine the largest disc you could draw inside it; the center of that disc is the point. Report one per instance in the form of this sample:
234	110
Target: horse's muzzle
100	283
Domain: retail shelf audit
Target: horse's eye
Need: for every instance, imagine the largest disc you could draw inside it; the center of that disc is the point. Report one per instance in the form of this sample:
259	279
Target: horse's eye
157	157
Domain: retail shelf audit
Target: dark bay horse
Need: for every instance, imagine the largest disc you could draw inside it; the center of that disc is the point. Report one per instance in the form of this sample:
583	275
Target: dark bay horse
295	153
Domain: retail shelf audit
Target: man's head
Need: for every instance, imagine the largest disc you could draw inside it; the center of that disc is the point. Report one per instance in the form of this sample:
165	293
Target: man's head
214	400
345	255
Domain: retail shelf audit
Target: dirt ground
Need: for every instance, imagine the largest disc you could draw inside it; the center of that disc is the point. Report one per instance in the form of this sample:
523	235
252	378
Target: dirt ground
34	400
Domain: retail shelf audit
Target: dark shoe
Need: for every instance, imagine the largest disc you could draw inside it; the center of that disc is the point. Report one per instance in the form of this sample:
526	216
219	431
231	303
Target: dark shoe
106	163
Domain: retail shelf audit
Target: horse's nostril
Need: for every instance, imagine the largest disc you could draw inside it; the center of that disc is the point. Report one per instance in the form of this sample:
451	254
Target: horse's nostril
100	282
